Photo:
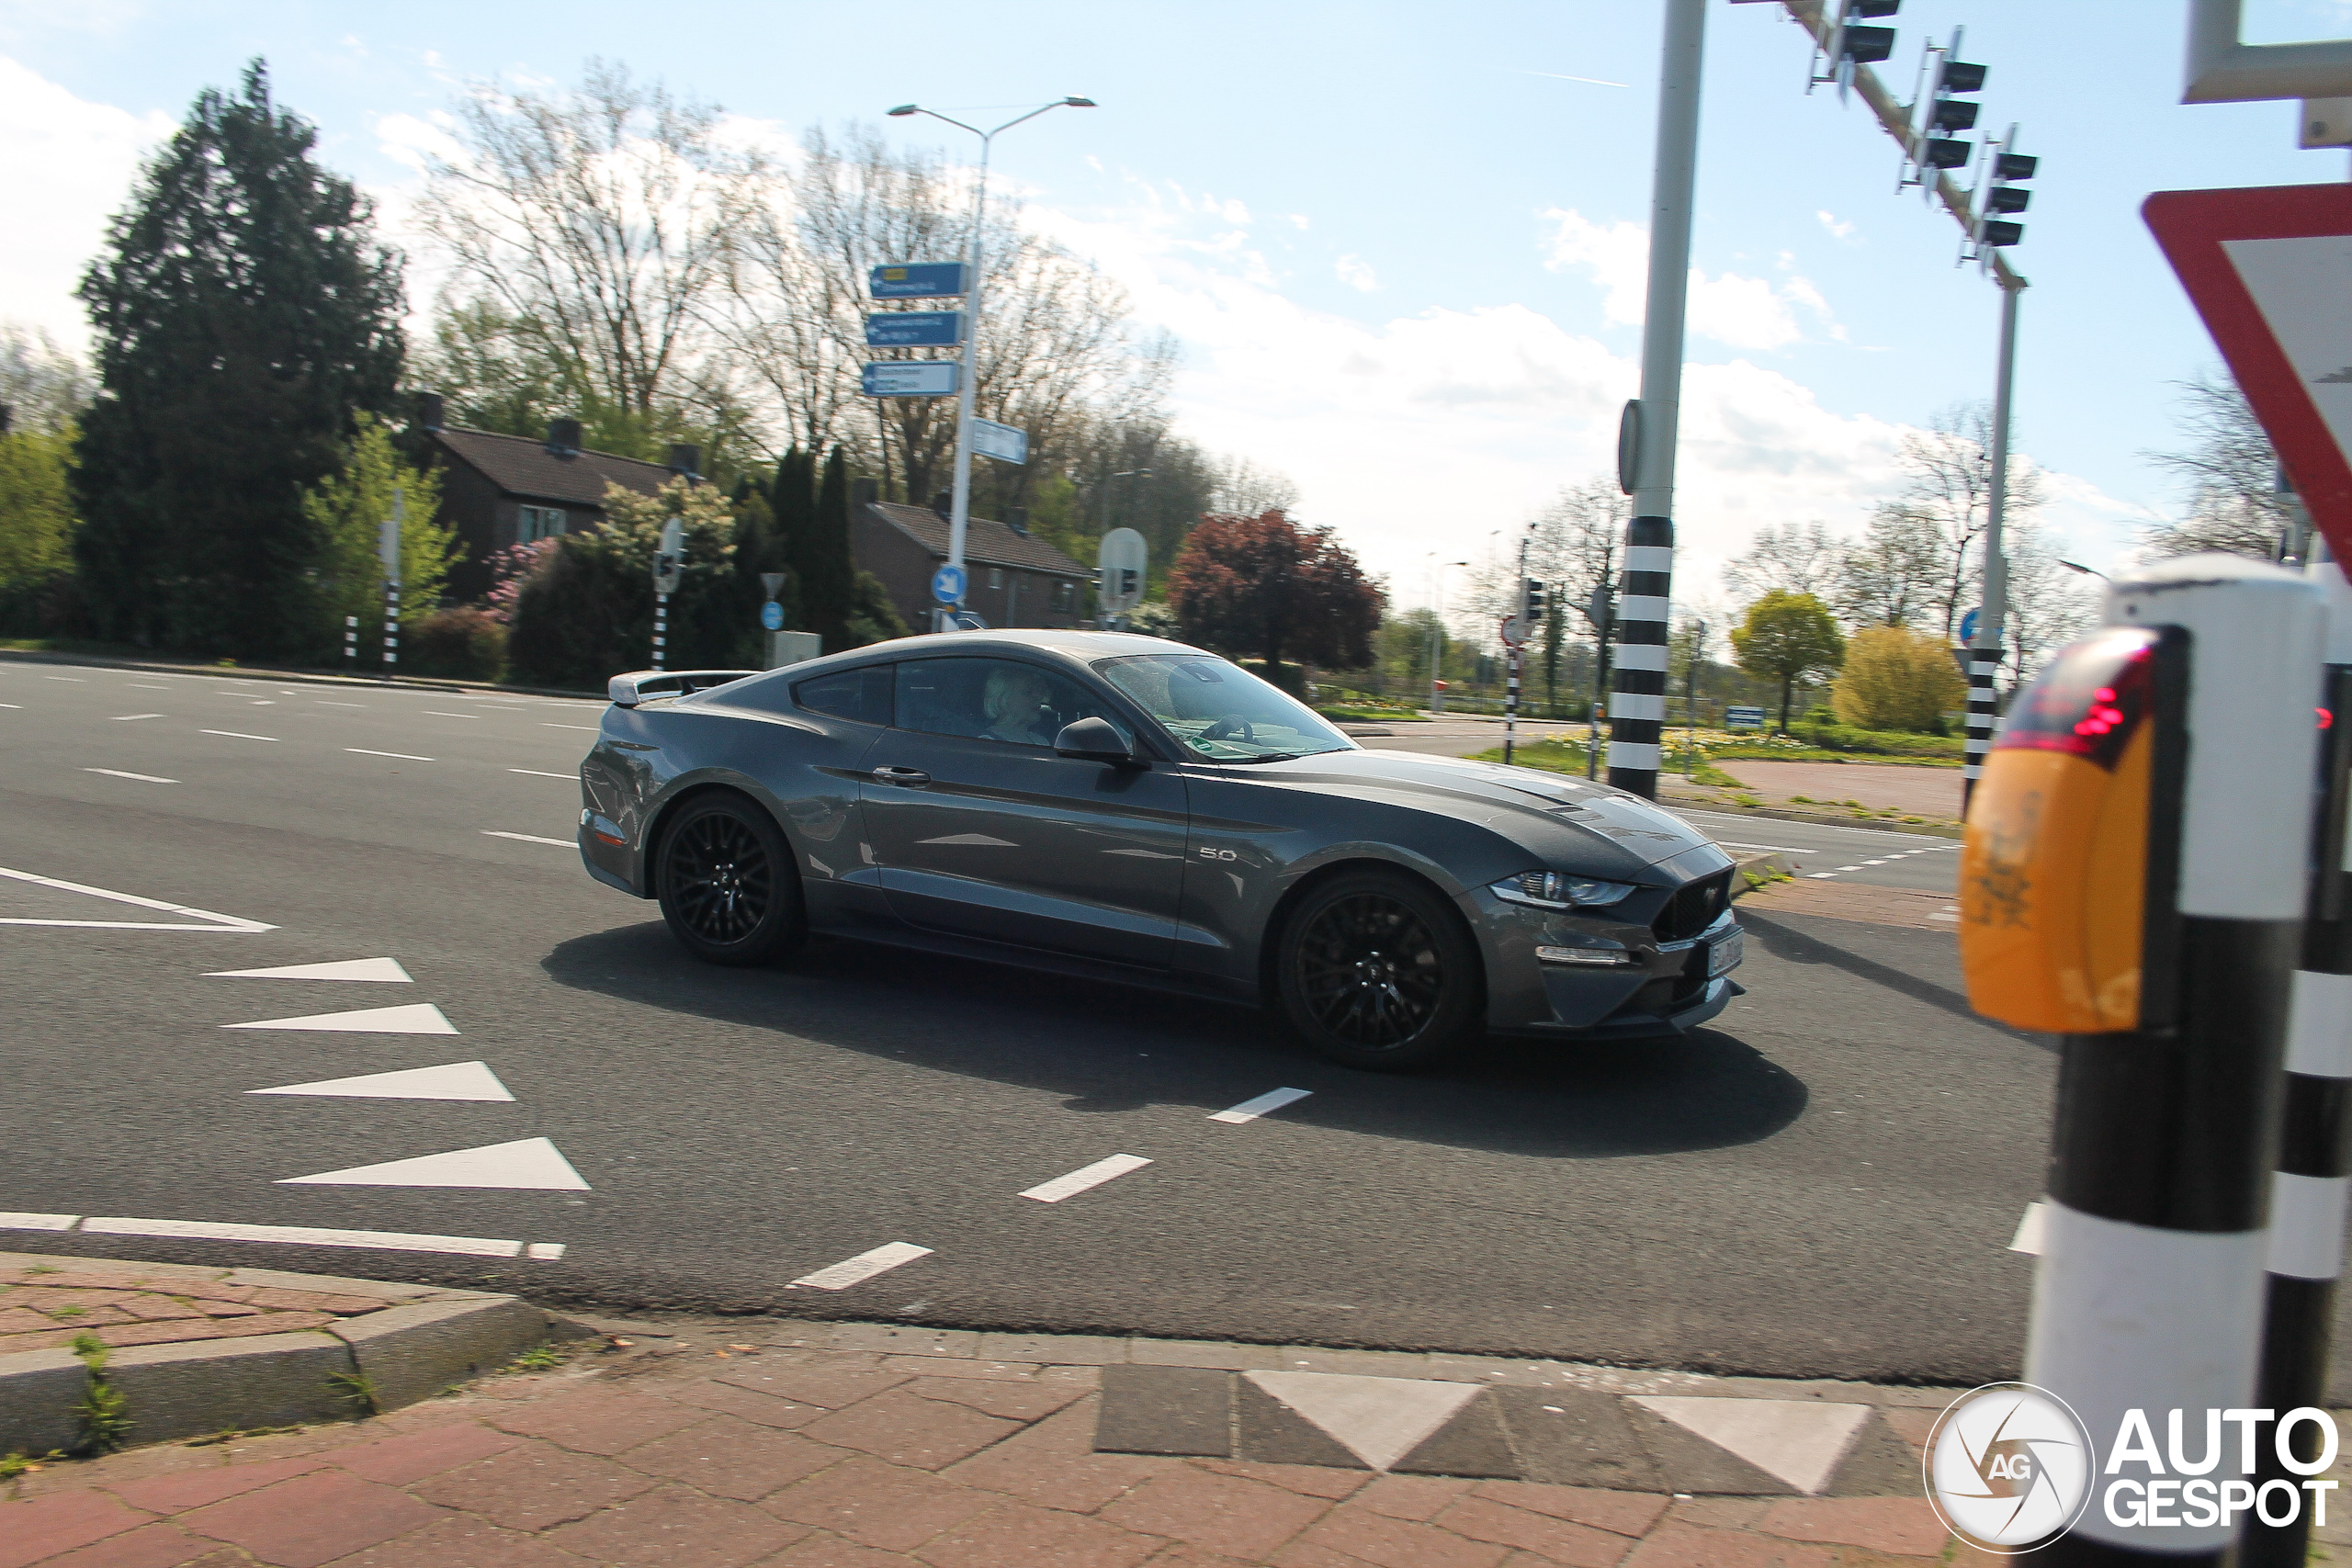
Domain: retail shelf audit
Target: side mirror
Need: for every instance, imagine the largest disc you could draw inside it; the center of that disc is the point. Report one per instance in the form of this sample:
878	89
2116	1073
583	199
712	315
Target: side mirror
1094	740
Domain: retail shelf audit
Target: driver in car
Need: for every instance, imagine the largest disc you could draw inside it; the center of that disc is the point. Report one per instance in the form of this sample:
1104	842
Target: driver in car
1014	701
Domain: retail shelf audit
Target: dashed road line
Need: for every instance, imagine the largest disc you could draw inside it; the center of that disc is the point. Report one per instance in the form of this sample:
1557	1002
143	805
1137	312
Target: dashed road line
326	703
530	838
436	713
118	773
1251	1110
589	728
1085	1177
127	717
75	679
403	756
11	705
864	1267
238	735
537	774
142	686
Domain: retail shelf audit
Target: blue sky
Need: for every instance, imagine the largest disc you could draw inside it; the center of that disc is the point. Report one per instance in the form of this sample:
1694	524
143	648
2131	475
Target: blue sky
1404	259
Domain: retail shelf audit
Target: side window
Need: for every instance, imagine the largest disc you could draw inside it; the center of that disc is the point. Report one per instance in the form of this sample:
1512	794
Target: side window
994	699
863	694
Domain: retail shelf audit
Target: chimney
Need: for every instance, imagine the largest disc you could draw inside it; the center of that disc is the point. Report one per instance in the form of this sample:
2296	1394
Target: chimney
563	437
428	411
863	492
943	504
686	459
1017	519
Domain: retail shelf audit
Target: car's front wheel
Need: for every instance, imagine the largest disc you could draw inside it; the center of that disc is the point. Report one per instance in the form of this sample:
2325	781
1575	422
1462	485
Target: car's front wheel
727	885
1376	970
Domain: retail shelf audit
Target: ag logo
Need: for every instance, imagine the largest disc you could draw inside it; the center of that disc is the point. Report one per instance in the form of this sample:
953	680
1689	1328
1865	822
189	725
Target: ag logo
2009	1467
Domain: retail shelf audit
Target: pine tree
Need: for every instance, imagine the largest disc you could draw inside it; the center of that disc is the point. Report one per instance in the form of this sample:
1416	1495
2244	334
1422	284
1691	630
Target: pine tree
245	315
829	584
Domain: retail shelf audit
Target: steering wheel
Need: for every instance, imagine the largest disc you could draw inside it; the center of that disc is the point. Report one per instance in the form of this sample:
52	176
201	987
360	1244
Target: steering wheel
1231	726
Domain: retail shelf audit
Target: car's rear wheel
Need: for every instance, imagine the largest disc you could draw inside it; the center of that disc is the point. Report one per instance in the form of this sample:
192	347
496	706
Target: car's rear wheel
727	886
1377	971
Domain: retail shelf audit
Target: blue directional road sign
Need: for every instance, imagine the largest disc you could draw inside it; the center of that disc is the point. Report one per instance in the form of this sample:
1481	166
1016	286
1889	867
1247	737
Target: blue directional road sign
917	280
1968	629
915	329
948	584
913	379
771	616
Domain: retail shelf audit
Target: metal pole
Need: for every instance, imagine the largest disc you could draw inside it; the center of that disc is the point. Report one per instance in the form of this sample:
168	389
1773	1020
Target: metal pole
1985	651
1637	711
961	510
389	549
1510	702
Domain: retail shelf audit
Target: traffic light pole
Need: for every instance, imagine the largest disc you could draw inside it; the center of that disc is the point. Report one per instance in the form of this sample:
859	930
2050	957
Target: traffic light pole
1985	651
1637	707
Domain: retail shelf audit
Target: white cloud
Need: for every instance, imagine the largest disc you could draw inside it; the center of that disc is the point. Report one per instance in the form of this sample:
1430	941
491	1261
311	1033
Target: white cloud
1837	230
1736	310
66	166
1357	272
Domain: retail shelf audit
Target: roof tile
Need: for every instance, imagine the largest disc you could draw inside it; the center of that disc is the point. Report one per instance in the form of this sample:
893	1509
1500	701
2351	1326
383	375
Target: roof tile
985	539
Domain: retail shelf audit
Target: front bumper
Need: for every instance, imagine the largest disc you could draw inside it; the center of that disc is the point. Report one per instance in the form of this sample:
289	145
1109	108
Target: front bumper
1654	988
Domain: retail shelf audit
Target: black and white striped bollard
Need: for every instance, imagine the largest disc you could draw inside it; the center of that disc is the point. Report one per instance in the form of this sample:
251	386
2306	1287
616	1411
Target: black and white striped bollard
1510	706
2309	1189
1984	664
661	627
1637	699
351	644
2149	1293
392	628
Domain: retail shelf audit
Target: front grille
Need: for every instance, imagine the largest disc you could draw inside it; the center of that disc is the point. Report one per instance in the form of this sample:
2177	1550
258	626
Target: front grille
1694	908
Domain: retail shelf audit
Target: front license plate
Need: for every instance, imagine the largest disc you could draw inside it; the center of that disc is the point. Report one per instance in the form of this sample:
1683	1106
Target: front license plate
1725	955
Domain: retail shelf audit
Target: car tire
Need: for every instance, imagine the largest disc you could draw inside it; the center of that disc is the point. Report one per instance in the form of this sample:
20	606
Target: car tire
1376	970
728	883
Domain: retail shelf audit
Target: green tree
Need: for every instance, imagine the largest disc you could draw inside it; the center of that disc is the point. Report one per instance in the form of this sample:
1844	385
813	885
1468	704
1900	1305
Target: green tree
347	513
1895	678
1785	638
243	314
36	507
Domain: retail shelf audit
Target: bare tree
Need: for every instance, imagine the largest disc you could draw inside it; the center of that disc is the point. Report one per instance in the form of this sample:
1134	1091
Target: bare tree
1245	488
2230	471
1935	527
1802	557
43	388
2050	604
1888	578
596	222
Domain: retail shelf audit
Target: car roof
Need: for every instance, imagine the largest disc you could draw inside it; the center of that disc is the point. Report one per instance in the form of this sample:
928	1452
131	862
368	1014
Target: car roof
1077	647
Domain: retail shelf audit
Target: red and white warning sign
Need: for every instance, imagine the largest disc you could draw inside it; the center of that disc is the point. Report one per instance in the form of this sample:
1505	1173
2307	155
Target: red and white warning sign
2270	270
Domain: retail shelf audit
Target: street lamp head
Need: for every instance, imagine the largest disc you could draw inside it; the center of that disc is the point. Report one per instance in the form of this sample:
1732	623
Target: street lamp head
904	109
2087	572
1080	102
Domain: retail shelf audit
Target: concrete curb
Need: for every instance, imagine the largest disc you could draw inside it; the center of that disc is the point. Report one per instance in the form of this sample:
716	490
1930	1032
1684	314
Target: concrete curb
422	1342
298	677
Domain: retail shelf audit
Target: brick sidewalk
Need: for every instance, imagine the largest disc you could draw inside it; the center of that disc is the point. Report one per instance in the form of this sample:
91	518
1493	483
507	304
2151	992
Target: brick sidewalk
805	1446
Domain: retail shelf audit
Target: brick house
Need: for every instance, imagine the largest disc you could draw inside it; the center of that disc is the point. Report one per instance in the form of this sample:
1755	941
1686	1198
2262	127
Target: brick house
499	490
1017	579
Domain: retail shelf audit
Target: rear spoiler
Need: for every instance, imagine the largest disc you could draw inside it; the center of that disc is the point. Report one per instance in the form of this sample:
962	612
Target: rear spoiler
628	691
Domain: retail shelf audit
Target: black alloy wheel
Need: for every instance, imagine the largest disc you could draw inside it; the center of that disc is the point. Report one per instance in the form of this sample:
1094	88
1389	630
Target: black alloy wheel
727	885
1375	970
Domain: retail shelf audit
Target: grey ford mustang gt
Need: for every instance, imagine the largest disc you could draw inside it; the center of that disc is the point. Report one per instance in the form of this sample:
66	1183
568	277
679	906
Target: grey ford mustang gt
1135	809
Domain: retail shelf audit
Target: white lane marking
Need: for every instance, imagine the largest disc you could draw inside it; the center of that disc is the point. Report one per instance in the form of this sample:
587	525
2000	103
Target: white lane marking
436	713
127	717
589	728
75	679
1079	1181
379	969
1874	863
2029	1227
262	703
545	1251
526	1164
1824	875
451	1080
537	774
221	923
325	703
1251	1110
11	705
19	1221
865	1266
118	773
530	838
237	735
1781	849
398	756
416	1018
1843	868
142	686
303	1236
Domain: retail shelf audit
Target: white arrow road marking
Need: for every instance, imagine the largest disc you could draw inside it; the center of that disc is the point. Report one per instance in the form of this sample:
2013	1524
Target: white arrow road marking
118	773
865	1266
384	969
303	1236
1274	1100
452	1080
1079	1181
527	1164
218	922
417	1018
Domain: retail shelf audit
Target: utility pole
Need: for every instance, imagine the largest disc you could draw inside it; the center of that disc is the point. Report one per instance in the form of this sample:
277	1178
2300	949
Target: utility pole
1637	708
1985	653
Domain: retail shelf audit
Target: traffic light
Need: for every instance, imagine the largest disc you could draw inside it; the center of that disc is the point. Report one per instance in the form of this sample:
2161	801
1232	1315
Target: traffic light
1531	600
1998	193
1127	582
1947	111
1850	46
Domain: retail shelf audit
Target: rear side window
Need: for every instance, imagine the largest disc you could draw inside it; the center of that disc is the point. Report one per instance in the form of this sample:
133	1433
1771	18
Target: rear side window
863	694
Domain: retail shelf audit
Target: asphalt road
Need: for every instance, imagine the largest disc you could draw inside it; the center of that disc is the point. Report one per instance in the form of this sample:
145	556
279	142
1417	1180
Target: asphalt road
1824	1183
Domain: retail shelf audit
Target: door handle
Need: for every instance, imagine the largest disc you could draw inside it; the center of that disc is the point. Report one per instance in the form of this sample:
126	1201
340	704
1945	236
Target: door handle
902	776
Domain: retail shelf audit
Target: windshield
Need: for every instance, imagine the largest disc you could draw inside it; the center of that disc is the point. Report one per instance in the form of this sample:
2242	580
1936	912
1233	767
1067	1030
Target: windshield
1221	712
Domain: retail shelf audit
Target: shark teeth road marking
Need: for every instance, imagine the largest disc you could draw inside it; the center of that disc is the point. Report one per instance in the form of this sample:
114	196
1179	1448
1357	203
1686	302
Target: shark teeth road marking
217	922
526	1164
452	1080
1380	1420
417	1018
865	1266
1251	1110
1079	1181
1797	1441
378	969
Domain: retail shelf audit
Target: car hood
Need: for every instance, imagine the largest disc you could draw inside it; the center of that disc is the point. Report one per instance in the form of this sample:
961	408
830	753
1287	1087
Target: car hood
1541	803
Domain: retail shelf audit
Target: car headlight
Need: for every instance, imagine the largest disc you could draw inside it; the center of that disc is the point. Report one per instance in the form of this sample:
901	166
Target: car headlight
1558	890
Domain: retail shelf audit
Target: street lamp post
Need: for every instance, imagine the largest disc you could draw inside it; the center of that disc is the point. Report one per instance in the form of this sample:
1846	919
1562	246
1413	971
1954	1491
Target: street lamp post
960	517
